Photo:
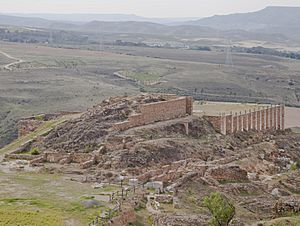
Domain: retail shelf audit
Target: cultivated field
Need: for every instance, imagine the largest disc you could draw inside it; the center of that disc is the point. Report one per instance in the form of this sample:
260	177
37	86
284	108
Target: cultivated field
255	78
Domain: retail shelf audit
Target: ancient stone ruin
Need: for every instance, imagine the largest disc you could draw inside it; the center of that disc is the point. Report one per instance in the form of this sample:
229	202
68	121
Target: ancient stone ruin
173	107
267	118
161	148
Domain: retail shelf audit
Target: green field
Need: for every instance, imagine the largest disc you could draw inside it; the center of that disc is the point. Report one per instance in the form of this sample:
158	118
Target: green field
45	199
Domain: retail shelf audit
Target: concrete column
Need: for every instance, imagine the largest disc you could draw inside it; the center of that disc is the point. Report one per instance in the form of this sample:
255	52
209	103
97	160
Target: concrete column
229	124
278	109
275	117
249	120
186	126
258	116
240	119
271	117
235	123
267	118
224	124
254	124
282	117
232	119
263	118
221	122
245	122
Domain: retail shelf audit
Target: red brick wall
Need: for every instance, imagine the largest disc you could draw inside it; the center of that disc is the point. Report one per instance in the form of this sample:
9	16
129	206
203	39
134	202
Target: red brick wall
215	121
158	111
189	105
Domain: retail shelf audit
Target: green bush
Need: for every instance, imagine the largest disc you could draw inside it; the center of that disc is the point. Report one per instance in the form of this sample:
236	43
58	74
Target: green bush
294	167
298	164
34	151
221	209
40	117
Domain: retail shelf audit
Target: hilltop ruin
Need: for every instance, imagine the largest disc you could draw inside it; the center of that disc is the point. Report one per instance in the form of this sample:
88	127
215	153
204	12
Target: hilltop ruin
161	142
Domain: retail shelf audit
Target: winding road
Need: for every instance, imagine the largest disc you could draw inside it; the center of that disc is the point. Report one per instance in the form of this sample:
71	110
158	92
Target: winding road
8	66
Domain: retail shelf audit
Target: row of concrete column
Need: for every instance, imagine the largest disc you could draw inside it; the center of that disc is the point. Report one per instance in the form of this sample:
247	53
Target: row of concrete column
261	119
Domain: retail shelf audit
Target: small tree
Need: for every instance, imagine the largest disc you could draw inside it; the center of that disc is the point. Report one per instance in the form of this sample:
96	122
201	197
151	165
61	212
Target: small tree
221	209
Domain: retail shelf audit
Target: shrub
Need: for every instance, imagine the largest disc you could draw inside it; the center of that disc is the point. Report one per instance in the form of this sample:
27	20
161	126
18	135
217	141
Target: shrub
40	117
221	209
298	164
34	151
294	167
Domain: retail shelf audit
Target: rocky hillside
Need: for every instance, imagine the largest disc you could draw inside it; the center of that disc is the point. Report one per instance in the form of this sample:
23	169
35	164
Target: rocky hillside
87	133
257	171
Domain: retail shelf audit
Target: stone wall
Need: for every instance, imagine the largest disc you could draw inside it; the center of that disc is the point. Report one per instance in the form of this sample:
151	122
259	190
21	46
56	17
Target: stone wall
228	173
124	218
62	158
30	124
260	119
175	220
158	111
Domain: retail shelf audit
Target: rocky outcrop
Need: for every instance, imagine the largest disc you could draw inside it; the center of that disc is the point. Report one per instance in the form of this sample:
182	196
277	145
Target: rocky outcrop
124	218
228	173
287	206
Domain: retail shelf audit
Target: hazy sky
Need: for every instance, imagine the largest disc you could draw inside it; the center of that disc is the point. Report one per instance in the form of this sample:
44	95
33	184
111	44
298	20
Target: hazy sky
149	8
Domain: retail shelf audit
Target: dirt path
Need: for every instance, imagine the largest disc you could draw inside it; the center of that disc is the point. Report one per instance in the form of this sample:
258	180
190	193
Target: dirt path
8	66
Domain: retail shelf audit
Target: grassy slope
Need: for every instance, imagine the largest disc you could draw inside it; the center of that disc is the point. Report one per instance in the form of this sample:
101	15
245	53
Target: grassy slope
284	221
44	199
32	198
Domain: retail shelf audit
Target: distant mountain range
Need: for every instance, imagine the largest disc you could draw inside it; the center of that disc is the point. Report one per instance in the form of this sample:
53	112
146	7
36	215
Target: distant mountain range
273	19
279	23
84	18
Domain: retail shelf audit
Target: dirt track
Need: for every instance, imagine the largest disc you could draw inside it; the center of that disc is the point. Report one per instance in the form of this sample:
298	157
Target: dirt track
8	66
